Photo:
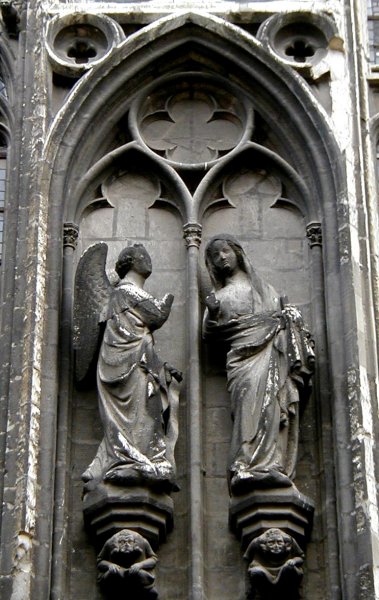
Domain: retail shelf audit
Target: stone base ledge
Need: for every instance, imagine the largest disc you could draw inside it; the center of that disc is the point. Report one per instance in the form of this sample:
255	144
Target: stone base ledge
283	508
110	508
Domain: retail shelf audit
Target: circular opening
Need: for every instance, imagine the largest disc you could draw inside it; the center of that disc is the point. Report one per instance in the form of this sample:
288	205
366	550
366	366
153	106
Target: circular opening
80	43
299	41
191	123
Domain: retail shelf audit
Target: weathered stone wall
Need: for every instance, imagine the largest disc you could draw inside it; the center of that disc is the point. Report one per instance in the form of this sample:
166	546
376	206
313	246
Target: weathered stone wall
49	429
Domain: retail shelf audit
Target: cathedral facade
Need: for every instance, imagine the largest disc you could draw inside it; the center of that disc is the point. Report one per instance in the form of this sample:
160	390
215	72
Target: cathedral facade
213	434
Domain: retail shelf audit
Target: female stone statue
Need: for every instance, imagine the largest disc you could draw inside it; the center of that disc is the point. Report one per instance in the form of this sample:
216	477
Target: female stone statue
269	364
137	392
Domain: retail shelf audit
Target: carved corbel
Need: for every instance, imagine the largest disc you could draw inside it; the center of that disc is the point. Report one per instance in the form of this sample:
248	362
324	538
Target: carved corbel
126	566
275	566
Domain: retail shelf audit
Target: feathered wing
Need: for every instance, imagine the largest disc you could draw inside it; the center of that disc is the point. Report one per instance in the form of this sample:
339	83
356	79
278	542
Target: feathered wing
92	293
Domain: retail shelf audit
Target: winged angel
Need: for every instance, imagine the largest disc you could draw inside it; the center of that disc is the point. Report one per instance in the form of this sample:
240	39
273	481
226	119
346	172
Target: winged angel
138	394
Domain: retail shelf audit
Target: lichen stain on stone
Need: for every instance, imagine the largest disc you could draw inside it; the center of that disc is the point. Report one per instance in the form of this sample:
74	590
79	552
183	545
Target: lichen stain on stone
344	243
336	43
22	567
24	544
361	519
367	591
361	429
352	383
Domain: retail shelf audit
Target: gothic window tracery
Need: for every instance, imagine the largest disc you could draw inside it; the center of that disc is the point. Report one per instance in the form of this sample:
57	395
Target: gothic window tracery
165	171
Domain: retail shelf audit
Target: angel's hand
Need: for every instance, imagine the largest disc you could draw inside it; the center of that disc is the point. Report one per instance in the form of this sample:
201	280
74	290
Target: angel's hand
175	373
213	305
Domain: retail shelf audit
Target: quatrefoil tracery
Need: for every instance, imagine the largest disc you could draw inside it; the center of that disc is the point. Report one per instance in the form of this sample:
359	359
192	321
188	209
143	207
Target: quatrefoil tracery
191	120
192	129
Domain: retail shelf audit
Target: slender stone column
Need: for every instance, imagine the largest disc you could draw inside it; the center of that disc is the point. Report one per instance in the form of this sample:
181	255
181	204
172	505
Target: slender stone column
192	236
321	378
59	566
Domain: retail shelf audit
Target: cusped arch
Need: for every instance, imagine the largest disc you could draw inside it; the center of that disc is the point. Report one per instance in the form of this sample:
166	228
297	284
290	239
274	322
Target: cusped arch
173	44
136	158
76	159
254	156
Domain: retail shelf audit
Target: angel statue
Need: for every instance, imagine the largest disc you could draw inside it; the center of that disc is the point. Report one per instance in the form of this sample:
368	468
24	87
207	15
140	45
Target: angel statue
269	364
138	393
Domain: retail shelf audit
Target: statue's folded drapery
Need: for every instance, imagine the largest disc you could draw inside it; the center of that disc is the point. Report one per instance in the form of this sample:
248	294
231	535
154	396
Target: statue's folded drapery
269	363
137	395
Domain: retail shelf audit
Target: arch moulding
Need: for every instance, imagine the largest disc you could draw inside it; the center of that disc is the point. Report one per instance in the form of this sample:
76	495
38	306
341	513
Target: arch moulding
80	151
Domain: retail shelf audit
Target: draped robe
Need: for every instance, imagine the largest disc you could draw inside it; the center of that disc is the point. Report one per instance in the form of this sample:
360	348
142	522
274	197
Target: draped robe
137	396
269	363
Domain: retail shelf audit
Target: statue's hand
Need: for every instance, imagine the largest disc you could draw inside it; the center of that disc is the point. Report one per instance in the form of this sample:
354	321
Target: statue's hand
111	569
294	562
172	372
135	568
212	304
167	303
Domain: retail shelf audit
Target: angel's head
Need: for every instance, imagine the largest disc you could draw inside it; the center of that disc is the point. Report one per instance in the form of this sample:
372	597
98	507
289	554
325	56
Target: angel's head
134	258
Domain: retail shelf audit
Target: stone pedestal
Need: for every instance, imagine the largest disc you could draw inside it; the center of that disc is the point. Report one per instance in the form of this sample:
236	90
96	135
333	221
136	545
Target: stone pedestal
109	509
287	509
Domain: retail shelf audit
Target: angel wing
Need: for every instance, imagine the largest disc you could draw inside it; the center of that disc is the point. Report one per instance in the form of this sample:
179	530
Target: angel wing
91	298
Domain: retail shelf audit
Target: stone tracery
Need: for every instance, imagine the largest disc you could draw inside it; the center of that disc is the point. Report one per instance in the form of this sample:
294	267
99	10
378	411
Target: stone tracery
195	194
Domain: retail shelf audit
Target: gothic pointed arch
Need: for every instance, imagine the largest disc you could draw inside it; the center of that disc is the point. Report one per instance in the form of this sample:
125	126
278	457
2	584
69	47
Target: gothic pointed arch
97	136
251	154
191	42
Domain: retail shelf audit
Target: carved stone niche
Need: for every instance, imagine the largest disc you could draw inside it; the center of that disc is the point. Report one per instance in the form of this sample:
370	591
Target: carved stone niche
126	503
76	42
301	40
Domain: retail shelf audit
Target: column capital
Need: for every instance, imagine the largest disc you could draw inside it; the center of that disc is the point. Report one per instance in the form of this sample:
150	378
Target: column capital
314	234
70	235
192	234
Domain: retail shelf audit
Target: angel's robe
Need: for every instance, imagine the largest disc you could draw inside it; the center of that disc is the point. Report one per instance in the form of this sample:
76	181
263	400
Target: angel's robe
137	396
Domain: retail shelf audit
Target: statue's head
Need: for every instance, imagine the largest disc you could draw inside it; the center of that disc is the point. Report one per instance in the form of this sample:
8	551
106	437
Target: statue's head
125	545
134	258
223	255
273	548
276	543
